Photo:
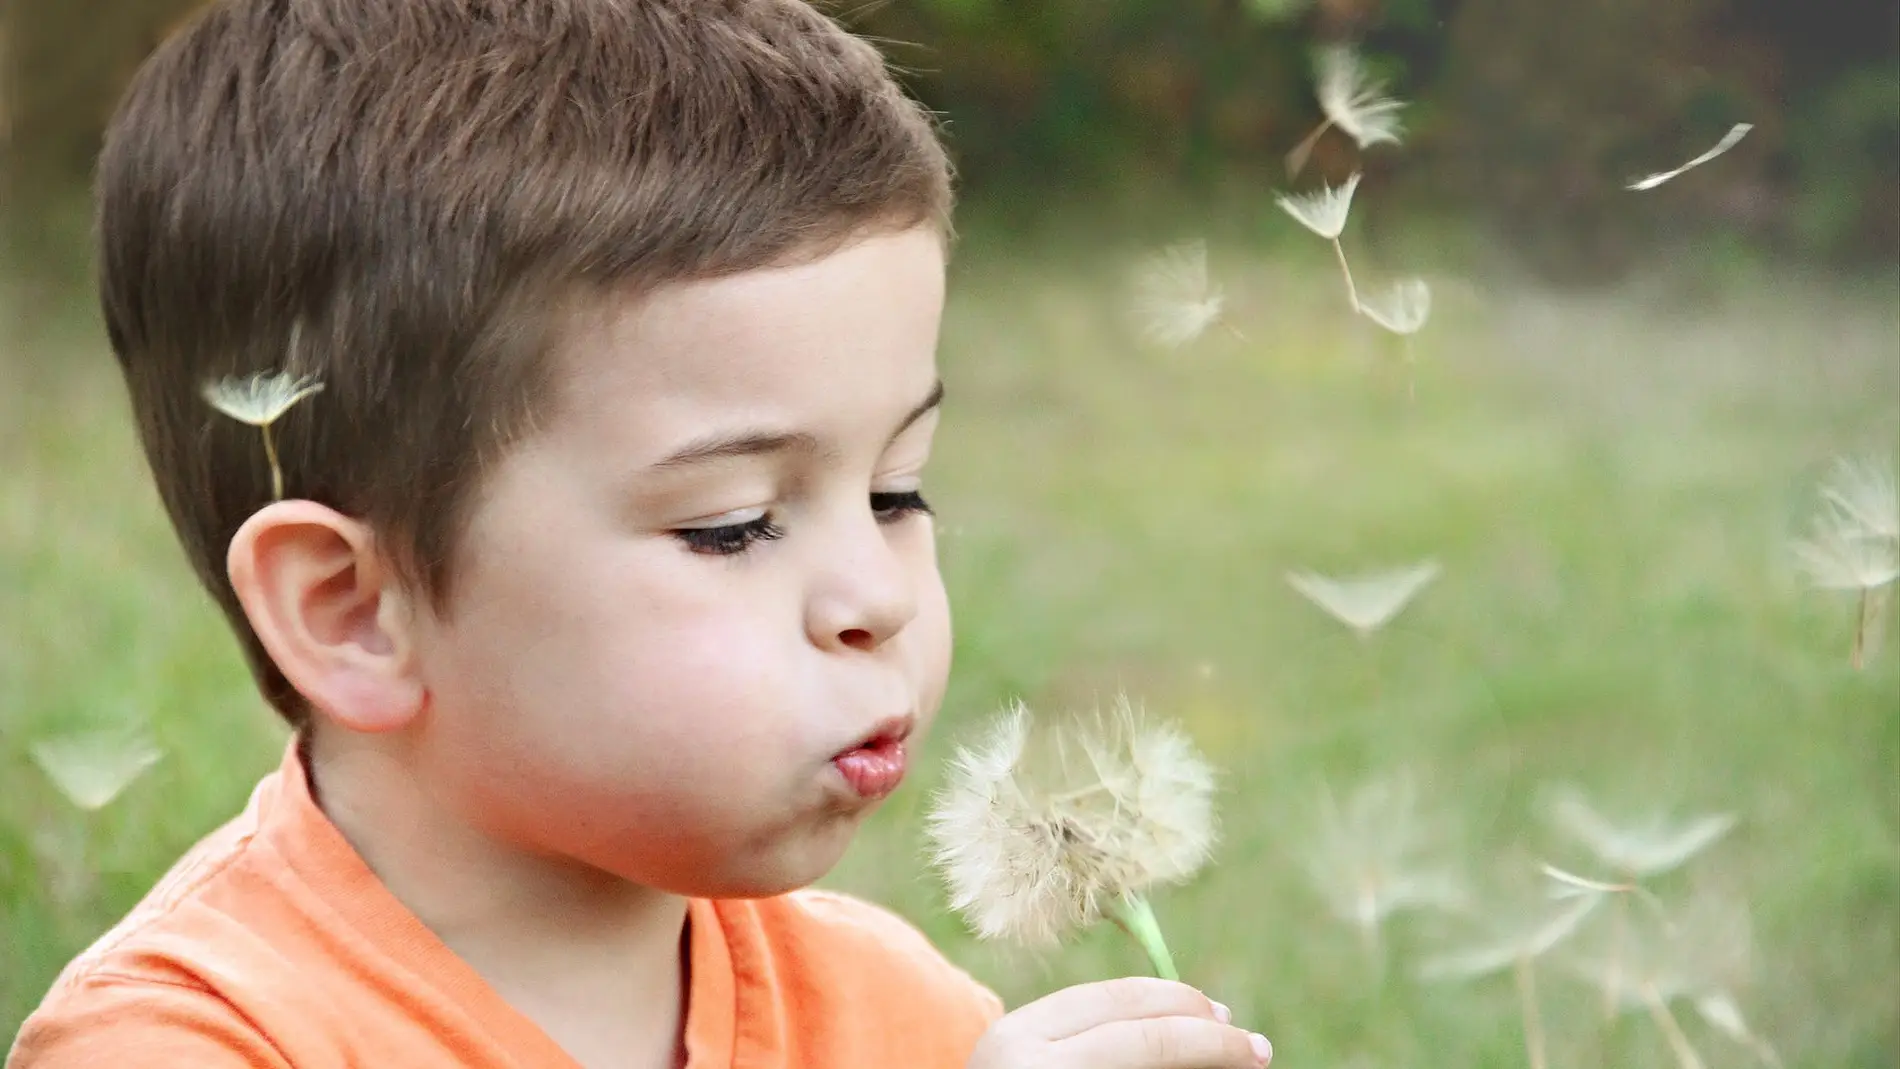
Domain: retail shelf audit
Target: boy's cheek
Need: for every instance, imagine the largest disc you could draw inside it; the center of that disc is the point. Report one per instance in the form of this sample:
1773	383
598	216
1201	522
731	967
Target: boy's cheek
934	643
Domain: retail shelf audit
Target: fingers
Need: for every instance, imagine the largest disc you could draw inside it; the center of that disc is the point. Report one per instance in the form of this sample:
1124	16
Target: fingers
1074	1010
1130	1023
1167	1043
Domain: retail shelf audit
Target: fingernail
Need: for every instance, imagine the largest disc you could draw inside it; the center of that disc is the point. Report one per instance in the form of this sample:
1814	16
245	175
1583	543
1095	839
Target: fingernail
1222	1013
1262	1049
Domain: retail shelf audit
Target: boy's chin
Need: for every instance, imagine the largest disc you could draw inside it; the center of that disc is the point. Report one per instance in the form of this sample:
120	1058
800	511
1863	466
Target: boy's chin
795	866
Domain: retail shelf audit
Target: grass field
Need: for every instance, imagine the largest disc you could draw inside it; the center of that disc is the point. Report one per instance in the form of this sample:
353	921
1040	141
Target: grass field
1608	480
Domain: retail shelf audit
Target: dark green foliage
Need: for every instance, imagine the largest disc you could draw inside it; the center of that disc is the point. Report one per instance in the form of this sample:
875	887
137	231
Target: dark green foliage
1526	118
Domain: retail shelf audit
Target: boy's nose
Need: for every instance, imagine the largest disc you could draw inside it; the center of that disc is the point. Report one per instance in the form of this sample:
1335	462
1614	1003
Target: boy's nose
864	595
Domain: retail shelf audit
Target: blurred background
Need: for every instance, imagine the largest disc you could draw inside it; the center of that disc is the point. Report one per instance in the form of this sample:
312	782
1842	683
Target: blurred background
1609	437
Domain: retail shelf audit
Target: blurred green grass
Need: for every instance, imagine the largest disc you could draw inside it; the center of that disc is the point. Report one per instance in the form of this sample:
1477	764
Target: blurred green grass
1608	479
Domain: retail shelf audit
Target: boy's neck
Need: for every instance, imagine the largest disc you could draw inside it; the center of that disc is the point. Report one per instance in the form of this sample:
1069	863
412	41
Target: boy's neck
598	963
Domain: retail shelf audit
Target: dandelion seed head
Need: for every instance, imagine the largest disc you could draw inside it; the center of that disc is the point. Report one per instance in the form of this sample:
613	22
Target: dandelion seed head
90	769
1354	101
261	399
1365	603
1323	211
1403	309
1175	302
1033	851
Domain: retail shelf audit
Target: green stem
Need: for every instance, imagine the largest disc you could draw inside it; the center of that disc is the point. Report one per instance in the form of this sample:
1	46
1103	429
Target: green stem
1135	916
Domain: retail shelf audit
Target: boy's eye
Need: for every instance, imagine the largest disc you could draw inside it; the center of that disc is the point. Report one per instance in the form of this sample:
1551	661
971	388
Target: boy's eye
895	506
726	540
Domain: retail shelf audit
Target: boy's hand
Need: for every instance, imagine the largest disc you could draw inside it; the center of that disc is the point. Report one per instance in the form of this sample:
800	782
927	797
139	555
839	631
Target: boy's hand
1134	1023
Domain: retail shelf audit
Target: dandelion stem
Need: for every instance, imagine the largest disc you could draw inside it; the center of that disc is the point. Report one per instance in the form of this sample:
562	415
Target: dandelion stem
1369	927
1352	291
276	472
1133	914
1533	1021
1860	630
1296	159
1613	980
1686	1056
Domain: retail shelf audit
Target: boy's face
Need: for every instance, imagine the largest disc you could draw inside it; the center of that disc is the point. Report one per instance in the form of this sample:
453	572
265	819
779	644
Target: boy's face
685	603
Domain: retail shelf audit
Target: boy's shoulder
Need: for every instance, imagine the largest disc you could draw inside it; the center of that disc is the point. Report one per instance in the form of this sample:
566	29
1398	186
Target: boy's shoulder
154	980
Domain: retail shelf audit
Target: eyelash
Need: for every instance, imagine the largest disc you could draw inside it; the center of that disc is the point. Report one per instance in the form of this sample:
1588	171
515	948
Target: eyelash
736	538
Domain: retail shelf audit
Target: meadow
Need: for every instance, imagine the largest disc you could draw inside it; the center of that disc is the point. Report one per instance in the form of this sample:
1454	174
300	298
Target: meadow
1608	479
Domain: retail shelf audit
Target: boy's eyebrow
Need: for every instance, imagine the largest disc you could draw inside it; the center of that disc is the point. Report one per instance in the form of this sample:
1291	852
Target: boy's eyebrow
757	443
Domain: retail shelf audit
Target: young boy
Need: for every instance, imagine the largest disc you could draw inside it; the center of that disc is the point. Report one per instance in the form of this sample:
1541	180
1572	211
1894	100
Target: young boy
601	592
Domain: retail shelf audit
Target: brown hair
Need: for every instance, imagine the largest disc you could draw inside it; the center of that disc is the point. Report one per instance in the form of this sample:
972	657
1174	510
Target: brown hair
397	197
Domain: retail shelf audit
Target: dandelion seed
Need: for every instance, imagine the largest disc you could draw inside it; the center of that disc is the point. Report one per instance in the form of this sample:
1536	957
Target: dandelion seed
1632	983
261	400
1702	952
1365	603
1367	861
1722	1013
1507	950
1843	555
1729	141
1571	886
1862	492
91	769
1527	944
1853	545
1351	101
1403	309
1174	299
1640	851
1650	849
1651	991
1324	213
1124	806
1518	951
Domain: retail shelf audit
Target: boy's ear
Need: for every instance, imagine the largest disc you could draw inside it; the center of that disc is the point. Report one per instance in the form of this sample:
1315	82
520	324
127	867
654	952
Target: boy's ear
330	612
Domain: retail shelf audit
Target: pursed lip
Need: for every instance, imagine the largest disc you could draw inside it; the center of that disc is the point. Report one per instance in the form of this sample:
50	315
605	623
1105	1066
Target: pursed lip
874	766
890	730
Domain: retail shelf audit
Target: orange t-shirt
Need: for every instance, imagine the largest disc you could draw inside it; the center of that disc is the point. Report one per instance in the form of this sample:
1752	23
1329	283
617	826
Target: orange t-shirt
271	944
